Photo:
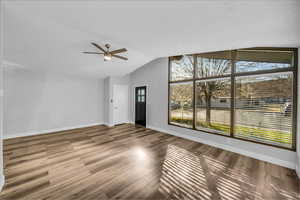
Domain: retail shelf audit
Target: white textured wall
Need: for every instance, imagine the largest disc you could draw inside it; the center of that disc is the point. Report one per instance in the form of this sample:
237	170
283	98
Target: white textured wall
155	76
1	96
1	125
106	100
36	102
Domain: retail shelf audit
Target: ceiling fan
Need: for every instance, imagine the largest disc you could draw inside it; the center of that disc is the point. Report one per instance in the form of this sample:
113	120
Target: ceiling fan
108	54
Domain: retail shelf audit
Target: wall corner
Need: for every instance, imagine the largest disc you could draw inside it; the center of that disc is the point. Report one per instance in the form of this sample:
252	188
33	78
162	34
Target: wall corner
2	180
298	171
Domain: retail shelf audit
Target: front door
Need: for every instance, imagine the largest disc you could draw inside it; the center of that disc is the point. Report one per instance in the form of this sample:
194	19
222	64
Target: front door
140	105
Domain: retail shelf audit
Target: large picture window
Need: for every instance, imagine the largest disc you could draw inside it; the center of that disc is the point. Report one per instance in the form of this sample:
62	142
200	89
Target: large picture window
248	94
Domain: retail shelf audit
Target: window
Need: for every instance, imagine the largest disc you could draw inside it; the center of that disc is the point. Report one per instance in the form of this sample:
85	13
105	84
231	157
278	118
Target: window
247	94
181	106
263	108
182	68
211	114
213	64
256	60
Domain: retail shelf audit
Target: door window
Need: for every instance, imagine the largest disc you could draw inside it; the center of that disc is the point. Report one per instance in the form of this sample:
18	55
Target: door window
141	95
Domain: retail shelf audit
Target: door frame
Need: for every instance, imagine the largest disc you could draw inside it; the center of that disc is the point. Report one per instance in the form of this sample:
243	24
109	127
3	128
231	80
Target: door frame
133	102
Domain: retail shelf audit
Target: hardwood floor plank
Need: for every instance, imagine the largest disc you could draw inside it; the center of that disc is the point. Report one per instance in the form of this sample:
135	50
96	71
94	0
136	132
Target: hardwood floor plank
132	162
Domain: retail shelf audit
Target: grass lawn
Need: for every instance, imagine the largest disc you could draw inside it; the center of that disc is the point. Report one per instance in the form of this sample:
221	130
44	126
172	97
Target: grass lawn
261	134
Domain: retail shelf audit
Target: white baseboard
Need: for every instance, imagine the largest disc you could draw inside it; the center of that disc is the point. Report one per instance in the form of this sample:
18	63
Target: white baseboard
2	180
15	135
111	125
107	124
262	157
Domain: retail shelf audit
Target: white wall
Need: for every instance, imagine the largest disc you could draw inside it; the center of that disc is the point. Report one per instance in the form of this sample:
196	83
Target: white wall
1	96
106	102
155	76
1	125
37	102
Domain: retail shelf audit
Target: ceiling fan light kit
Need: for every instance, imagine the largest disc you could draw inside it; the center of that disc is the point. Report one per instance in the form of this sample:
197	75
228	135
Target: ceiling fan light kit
107	57
107	54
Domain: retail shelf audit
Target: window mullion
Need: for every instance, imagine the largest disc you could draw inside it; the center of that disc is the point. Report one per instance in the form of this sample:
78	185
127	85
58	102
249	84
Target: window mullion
233	61
194	92
295	100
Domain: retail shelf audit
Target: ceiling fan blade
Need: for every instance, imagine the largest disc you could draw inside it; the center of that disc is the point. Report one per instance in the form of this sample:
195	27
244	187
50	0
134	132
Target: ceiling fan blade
121	57
96	45
118	51
92	52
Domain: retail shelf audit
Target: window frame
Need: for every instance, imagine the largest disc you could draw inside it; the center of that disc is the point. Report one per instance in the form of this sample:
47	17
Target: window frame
232	76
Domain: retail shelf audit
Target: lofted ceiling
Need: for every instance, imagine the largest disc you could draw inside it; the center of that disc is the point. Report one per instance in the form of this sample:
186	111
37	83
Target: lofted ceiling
50	35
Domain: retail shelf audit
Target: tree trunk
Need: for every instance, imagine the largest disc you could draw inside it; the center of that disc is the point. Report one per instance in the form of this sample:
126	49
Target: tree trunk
181	104
208	109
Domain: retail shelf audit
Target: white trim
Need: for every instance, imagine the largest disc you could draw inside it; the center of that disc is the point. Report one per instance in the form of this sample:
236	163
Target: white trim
49	130
265	158
2	181
108	124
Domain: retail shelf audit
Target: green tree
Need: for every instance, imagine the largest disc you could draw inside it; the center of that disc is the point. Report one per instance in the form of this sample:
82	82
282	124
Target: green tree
182	94
207	90
208	65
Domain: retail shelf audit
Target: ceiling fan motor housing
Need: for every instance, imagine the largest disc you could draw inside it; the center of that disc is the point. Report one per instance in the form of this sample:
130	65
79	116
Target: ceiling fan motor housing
107	46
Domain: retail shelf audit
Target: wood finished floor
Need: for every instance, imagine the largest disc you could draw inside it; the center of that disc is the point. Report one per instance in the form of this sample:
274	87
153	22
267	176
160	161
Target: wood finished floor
131	162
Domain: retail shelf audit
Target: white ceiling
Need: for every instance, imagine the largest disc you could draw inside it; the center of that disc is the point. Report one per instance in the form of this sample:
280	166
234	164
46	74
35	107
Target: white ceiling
50	35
